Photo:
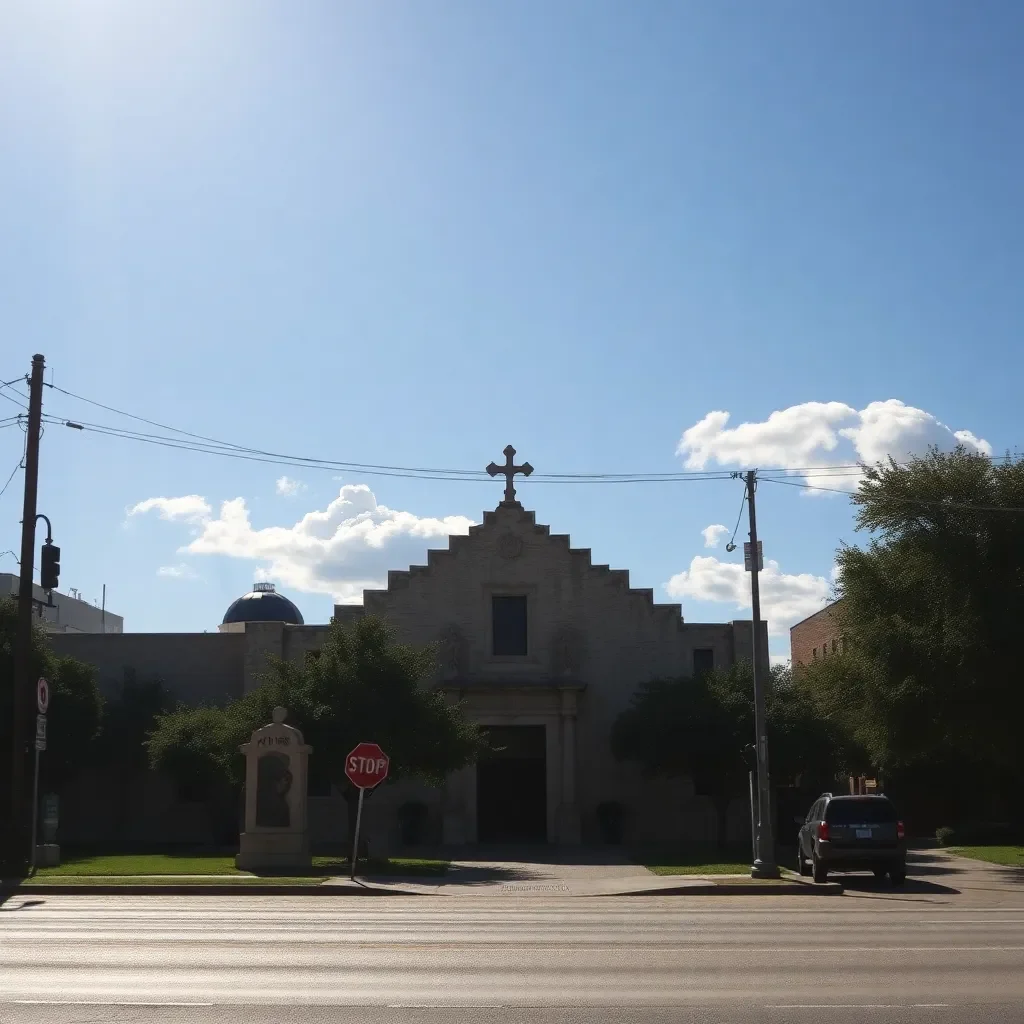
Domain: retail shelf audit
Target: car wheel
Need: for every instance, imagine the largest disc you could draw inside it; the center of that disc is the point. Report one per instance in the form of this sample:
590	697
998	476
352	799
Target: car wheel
898	875
801	865
818	870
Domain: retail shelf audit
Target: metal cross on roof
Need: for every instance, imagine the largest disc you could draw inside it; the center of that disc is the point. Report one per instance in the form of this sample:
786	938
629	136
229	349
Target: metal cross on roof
509	471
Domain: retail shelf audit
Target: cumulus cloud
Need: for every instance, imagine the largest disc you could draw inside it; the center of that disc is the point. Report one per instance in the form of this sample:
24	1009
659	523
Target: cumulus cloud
181	571
288	487
190	508
713	534
785	598
815	435
341	550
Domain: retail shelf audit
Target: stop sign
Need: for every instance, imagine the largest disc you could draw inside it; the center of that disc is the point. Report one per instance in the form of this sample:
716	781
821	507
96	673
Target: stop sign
366	766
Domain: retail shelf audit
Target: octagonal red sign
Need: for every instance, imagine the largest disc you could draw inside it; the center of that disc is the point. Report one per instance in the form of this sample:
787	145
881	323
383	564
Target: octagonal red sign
366	766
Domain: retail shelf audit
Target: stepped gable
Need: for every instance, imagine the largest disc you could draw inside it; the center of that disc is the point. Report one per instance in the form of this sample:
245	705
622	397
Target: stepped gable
618	579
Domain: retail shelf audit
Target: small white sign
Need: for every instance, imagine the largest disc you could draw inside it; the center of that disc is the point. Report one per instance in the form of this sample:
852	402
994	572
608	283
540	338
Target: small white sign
747	559
40	744
41	727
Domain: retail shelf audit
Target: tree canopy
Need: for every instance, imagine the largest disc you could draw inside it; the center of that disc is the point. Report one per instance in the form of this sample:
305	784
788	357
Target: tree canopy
929	609
360	685
75	703
703	728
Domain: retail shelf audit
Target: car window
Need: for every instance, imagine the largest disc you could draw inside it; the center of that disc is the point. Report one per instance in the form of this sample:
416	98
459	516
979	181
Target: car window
869	811
812	814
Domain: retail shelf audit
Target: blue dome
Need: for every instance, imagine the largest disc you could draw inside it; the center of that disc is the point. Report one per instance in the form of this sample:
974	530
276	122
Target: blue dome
264	604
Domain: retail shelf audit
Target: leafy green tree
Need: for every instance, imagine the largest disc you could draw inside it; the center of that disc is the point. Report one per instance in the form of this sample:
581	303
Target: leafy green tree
703	727
361	684
930	608
75	704
128	719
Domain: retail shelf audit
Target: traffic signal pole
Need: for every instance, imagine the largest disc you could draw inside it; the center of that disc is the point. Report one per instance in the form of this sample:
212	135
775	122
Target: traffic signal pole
18	832
764	865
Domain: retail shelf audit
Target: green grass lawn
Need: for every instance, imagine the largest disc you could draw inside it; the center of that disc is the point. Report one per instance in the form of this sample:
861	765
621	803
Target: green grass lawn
222	865
238	879
696	860
1007	856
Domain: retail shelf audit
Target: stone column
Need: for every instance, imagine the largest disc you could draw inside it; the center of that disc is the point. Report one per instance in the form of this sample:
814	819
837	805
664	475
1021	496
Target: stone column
569	814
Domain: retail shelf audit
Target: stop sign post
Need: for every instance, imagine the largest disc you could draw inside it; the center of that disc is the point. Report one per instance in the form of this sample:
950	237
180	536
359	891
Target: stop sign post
366	767
42	703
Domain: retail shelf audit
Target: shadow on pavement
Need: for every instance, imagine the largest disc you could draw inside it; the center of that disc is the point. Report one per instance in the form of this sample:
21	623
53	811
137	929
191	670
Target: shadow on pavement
7	894
531	854
883	887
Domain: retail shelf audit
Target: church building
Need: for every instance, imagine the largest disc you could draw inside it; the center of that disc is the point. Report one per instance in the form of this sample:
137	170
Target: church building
545	648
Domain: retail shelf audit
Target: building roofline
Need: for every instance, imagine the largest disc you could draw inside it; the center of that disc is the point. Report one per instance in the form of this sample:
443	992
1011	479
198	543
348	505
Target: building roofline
823	608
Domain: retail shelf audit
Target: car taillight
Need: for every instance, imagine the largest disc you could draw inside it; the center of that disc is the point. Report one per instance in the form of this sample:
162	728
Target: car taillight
901	832
823	830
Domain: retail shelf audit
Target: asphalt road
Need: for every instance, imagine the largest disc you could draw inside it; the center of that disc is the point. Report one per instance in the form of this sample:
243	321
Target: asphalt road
421	959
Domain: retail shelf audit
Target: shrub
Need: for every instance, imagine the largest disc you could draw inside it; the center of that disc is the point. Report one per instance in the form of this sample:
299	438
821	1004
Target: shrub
945	836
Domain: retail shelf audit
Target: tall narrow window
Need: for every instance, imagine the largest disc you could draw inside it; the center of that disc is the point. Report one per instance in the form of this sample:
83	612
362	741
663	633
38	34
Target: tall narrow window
703	661
508	625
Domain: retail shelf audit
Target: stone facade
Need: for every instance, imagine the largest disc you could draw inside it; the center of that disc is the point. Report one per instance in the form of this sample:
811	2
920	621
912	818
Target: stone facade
818	636
591	639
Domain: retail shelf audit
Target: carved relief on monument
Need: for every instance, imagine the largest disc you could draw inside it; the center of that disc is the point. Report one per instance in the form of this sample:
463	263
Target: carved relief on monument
451	654
273	781
568	650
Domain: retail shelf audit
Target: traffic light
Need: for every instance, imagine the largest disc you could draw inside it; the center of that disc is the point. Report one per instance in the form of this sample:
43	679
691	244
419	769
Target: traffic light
49	567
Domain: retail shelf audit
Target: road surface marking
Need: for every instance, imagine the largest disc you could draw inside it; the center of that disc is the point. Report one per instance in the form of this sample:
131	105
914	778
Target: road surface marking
96	1002
855	1006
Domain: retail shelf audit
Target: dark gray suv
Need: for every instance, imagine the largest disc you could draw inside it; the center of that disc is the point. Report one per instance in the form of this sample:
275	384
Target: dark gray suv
852	833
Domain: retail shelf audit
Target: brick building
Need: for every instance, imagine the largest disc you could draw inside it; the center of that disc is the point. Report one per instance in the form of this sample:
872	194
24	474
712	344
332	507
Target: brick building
818	636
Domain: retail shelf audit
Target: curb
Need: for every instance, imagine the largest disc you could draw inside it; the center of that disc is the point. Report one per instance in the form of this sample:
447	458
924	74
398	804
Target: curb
270	889
739	889
227	889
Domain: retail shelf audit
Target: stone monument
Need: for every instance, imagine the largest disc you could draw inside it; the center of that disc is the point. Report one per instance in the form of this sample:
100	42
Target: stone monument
276	762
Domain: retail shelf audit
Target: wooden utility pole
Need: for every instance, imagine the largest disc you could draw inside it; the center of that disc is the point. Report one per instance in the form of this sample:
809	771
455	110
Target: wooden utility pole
764	865
18	854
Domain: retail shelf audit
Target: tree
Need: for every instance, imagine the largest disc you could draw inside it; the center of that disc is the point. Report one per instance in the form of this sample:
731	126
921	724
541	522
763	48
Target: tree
75	703
702	727
361	684
128	720
930	609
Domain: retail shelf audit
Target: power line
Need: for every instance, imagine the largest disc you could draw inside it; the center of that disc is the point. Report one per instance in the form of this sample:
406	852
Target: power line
3	394
210	445
18	465
906	501
252	455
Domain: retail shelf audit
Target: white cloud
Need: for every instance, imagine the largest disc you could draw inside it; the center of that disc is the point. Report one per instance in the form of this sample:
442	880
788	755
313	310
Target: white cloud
778	659
339	551
785	598
713	534
288	487
820	434
191	508
181	571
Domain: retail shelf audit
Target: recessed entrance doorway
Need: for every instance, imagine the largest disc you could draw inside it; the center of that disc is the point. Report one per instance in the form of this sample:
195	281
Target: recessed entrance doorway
511	786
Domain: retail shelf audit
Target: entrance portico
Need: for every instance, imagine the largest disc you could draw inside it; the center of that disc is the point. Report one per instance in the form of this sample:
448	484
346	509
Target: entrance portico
535	725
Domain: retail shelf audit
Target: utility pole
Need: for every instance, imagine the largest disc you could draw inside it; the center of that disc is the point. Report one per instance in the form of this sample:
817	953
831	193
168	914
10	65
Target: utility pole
764	865
18	853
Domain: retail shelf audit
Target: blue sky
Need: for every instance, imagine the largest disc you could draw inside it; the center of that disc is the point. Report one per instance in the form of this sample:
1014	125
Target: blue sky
412	233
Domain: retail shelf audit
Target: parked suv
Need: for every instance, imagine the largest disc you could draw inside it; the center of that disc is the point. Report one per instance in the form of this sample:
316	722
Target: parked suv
852	833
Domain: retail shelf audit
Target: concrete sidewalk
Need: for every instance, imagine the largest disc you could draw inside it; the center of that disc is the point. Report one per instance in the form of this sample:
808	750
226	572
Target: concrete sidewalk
546	871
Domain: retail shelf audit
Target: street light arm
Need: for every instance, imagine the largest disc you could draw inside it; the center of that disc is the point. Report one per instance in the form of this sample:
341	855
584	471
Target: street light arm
49	528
